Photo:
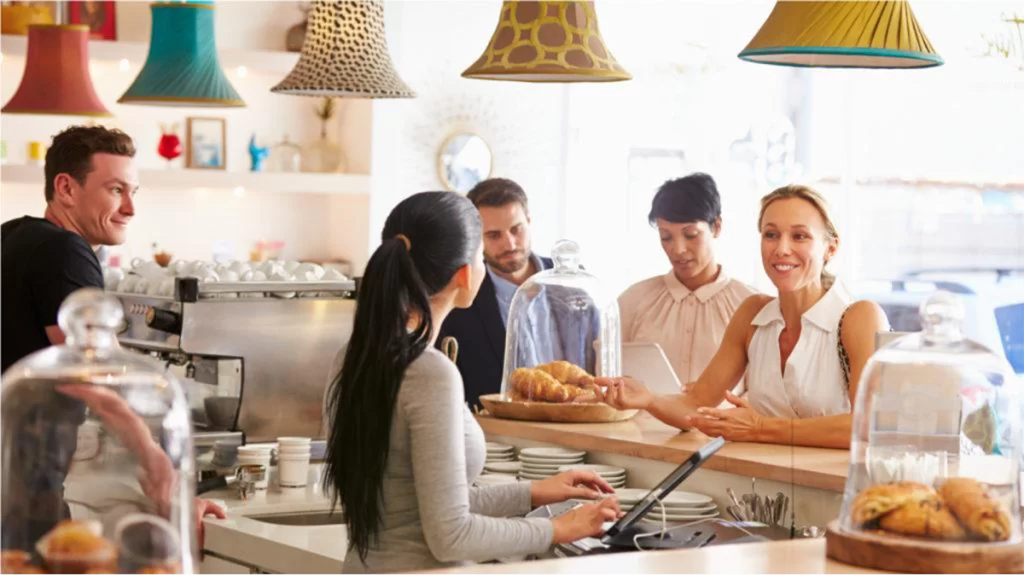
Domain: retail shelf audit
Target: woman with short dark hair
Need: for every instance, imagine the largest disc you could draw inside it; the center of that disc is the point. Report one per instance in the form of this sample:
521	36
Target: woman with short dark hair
687	310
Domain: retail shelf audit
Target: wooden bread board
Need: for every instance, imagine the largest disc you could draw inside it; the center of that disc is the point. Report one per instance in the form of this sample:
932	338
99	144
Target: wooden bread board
552	412
904	554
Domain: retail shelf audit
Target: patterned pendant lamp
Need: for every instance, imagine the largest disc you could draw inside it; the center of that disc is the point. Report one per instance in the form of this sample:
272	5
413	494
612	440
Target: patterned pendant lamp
842	35
345	54
56	79
182	68
547	42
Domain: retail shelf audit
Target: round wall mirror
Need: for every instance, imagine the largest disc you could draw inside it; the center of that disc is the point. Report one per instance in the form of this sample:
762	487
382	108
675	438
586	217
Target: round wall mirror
463	161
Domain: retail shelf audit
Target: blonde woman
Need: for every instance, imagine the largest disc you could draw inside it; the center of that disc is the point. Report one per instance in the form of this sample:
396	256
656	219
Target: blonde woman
803	352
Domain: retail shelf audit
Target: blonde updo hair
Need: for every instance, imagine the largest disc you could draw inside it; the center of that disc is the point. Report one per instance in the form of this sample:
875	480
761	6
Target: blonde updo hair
820	204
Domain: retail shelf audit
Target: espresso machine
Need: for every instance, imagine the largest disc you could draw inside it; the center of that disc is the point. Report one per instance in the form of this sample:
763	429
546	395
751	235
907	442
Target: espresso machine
258	353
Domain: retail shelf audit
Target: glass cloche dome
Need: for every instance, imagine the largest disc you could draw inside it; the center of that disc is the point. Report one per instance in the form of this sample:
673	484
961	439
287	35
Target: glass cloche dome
935	450
562	330
98	468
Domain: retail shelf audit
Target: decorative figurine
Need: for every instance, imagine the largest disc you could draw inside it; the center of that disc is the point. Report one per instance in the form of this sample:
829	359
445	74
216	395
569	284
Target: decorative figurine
257	154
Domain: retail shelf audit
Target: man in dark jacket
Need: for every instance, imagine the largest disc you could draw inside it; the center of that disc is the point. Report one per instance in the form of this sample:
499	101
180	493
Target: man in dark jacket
480	329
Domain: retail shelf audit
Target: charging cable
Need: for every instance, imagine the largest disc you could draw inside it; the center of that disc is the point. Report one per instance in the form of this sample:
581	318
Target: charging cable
665	530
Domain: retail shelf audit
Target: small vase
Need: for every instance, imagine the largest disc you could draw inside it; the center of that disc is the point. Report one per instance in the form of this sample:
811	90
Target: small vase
169	146
323	155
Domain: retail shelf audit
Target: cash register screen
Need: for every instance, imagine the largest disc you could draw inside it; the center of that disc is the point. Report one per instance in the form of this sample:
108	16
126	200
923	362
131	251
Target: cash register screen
670	483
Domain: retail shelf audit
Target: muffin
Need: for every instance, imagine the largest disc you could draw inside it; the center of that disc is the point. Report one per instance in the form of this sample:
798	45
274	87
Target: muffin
11	560
76	547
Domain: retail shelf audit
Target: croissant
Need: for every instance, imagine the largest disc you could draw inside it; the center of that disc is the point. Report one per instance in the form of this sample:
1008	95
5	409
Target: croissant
929	518
879	500
977	511
538	385
568	373
581	395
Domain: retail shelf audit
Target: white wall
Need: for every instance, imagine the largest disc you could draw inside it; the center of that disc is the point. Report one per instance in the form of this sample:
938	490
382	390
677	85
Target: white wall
313	227
432	42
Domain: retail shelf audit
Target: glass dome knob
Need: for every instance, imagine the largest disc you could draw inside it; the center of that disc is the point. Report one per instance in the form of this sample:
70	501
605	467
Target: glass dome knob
90	318
941	316
566	255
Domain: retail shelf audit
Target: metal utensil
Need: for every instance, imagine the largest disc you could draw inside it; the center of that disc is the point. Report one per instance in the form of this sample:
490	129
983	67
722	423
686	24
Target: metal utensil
732	496
737	513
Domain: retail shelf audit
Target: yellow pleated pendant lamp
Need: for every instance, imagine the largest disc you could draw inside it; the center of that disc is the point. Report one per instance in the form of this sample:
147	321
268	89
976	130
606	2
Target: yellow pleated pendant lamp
852	34
547	42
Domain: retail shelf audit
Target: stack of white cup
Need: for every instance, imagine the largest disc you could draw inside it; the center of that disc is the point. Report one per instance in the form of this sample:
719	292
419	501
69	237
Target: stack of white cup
293	461
259	455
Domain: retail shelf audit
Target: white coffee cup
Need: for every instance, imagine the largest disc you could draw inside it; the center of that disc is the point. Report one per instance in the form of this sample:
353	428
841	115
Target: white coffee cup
292	470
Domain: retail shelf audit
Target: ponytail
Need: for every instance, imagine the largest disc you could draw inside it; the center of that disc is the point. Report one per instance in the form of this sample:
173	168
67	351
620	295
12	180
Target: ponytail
426	239
363	395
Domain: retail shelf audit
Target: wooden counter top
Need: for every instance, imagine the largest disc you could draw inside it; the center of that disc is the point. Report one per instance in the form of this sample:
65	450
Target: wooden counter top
787	557
647	438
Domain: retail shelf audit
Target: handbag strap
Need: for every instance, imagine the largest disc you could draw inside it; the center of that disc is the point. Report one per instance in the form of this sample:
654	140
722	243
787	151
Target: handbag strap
844	359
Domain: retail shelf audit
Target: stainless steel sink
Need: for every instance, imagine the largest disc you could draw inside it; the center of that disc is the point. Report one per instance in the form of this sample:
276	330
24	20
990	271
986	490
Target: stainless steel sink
304	519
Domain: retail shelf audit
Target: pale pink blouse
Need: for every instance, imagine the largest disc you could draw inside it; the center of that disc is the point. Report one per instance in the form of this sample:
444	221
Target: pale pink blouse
689	325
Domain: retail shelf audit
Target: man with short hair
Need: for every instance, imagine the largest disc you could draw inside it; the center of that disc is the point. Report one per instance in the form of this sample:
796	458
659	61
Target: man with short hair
91	180
90	186
480	329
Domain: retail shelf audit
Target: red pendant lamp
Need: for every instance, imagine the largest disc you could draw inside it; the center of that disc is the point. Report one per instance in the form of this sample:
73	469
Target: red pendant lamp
56	78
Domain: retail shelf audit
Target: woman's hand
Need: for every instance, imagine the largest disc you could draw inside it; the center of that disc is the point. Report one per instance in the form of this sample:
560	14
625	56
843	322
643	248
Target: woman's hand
739	424
569	484
206	508
587	520
623	393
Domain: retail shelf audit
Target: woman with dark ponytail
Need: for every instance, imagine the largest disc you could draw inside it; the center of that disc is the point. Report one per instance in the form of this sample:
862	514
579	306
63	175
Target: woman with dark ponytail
403	449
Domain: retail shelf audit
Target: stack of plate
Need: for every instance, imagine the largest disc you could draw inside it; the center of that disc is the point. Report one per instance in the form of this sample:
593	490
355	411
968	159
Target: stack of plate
509	468
494	479
612	474
500	452
679	506
541	463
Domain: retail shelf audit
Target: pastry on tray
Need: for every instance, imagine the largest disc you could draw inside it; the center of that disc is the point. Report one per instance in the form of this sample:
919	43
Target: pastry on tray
980	514
76	547
10	560
928	518
872	503
568	373
538	385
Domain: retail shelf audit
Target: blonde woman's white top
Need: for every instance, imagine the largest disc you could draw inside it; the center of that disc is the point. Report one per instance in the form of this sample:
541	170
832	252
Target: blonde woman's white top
688	324
813	383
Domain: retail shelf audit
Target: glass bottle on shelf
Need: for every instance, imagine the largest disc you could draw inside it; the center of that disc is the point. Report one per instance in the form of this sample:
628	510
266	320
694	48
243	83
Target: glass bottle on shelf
285	156
323	155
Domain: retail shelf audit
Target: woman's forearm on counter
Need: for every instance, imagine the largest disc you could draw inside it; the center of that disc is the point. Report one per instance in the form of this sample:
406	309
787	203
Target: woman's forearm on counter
821	432
673	409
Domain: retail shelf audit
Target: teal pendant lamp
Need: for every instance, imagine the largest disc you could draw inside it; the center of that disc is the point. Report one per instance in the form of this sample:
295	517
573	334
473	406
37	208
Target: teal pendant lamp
182	68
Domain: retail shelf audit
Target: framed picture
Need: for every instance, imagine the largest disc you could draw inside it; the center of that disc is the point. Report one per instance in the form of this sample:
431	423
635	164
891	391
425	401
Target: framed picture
205	143
100	17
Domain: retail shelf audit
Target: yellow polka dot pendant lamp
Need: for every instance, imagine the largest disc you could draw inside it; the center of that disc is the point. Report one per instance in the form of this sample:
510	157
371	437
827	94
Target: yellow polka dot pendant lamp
845	34
547	42
345	54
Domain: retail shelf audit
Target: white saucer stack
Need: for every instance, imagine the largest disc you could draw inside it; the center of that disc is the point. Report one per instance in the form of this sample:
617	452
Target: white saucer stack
541	463
679	506
612	474
500	453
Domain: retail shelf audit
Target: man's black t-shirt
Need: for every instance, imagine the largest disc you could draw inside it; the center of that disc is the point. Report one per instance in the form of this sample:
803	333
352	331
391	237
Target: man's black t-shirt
41	265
